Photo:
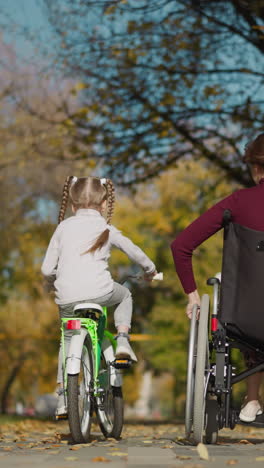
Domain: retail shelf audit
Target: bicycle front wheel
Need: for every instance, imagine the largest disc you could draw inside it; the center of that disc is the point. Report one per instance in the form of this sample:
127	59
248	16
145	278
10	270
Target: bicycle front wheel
80	403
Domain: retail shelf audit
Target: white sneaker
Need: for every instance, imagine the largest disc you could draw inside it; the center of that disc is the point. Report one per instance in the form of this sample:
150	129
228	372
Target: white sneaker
61	411
123	349
249	412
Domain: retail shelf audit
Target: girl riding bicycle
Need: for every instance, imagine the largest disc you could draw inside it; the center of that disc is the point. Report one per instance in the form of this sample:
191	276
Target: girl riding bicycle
76	261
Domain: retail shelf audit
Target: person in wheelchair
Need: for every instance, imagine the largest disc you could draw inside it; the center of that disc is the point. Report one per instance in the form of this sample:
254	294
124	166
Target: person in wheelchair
246	207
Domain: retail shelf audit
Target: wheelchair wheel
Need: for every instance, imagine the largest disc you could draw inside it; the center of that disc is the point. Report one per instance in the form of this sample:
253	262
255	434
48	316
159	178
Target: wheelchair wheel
201	372
191	373
211	421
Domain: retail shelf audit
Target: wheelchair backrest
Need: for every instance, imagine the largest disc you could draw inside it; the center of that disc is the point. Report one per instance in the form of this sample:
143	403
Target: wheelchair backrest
242	285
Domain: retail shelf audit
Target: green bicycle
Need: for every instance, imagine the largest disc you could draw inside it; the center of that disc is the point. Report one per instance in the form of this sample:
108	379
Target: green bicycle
92	375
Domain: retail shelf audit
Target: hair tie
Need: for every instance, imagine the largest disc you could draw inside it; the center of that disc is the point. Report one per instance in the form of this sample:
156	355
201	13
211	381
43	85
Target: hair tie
103	181
74	179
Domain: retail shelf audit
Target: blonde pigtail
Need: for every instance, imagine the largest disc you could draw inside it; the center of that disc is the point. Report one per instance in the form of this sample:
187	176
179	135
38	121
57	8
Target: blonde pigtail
65	197
110	199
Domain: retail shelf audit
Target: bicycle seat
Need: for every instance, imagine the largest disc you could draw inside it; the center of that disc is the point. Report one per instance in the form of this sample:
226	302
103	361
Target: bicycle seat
88	306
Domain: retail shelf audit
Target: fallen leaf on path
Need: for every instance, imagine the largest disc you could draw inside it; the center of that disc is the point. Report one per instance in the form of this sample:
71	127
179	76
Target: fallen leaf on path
7	449
118	454
183	457
245	441
182	441
75	447
100	459
47	441
71	458
167	446
147	441
231	462
192	465
202	451
259	458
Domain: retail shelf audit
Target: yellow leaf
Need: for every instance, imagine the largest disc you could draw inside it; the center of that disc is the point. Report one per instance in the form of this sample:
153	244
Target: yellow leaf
100	459
118	454
80	86
111	9
202	451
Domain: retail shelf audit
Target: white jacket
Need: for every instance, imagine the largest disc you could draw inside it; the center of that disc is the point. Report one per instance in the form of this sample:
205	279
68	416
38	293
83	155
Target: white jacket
79	277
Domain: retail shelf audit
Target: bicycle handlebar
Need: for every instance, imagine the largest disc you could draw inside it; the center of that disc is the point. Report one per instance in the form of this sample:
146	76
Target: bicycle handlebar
157	277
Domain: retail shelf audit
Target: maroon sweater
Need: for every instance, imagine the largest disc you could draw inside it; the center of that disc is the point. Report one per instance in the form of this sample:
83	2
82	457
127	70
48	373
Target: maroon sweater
247	208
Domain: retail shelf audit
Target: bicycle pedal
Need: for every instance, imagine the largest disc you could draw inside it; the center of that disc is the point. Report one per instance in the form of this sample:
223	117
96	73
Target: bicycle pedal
122	363
61	417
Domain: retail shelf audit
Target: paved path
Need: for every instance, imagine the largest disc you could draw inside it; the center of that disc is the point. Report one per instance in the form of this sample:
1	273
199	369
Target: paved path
48	445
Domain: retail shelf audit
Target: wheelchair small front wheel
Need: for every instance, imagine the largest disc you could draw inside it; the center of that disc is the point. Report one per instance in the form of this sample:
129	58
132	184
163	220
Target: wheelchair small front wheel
201	371
211	421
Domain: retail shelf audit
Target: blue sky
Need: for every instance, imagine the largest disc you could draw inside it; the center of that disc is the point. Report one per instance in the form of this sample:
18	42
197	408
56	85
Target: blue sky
27	15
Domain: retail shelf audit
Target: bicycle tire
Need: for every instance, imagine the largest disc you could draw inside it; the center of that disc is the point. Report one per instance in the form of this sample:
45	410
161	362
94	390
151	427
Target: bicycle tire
202	365
80	403
191	373
110	405
116	427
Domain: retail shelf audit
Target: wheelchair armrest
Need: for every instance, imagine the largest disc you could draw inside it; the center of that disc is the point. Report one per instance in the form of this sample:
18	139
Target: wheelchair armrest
212	281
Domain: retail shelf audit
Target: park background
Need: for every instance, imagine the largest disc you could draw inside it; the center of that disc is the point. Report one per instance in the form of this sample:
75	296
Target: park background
162	97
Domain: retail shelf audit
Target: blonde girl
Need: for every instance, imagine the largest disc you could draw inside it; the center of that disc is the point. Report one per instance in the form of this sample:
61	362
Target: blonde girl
76	261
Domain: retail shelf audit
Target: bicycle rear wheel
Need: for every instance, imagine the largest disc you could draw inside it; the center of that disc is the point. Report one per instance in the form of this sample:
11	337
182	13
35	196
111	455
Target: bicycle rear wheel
80	403
109	405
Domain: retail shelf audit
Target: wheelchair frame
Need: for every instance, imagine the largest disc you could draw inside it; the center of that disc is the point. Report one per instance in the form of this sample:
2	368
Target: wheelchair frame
210	374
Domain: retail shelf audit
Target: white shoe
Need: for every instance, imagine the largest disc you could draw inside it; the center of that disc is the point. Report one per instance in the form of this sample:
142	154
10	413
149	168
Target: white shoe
249	412
61	411
123	349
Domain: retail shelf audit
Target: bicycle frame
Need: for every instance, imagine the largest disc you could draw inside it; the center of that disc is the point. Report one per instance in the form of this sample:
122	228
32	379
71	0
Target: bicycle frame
97	332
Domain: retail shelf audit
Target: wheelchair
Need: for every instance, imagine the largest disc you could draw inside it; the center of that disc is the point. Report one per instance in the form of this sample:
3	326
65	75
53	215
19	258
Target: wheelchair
236	322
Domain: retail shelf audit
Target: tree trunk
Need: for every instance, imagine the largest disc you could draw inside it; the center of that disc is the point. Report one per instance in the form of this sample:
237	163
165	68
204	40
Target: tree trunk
9	382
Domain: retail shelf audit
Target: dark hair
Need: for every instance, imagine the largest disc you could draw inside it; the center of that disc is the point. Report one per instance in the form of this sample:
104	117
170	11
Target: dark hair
89	192
254	151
